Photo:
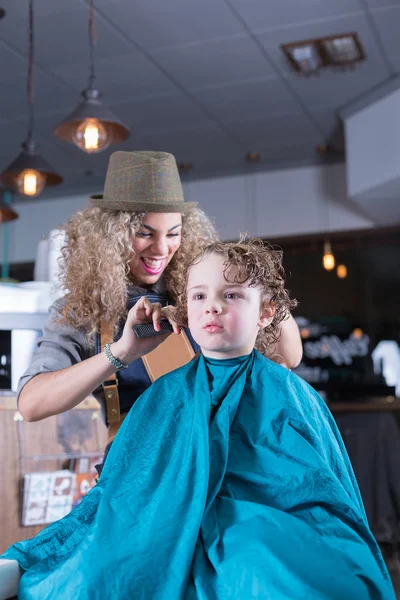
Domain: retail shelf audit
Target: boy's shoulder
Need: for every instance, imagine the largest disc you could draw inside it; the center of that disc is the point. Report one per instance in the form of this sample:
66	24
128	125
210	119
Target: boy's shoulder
286	385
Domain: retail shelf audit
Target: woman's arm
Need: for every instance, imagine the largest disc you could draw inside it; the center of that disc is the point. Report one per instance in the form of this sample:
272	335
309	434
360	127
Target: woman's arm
54	392
10	574
289	349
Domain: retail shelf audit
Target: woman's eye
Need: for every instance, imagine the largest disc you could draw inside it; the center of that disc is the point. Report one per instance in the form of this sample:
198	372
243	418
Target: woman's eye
143	234
173	234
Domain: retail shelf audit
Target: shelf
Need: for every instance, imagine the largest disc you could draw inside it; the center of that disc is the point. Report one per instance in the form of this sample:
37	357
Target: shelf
9	320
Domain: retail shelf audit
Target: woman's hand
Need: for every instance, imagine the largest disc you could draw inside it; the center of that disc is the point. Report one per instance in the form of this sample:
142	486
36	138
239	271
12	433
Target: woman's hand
129	347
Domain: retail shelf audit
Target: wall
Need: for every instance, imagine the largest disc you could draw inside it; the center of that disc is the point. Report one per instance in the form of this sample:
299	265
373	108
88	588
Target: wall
269	204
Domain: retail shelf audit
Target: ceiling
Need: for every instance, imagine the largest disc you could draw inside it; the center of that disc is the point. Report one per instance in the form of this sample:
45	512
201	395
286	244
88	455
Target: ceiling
204	79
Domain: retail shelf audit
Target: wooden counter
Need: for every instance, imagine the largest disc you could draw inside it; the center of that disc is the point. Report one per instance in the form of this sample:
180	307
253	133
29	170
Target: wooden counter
78	430
377	404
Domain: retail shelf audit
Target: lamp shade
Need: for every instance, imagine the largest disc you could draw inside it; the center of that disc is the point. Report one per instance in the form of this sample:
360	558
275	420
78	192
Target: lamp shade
29	160
7	213
92	109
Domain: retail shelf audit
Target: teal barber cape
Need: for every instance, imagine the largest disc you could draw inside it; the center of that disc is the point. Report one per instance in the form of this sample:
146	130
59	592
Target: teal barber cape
227	480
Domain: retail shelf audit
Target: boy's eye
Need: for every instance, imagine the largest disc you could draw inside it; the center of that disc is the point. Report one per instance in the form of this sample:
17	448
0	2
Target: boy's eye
232	296
199	296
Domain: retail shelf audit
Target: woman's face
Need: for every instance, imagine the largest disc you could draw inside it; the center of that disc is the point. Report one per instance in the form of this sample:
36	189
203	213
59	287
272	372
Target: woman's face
156	242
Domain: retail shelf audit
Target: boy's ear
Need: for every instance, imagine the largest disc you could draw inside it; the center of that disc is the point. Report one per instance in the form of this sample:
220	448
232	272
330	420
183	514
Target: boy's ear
267	314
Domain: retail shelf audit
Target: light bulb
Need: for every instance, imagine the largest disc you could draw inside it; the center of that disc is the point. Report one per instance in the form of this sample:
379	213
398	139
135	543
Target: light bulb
91	136
328	260
30	182
341	271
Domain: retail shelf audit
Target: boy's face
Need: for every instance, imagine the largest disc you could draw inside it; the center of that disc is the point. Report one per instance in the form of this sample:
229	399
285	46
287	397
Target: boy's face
224	318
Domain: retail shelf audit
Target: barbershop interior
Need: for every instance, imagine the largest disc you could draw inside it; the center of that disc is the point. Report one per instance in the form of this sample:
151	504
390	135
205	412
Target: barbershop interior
132	134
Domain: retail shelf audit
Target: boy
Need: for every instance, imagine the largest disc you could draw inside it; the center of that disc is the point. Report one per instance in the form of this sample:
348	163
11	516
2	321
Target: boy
227	480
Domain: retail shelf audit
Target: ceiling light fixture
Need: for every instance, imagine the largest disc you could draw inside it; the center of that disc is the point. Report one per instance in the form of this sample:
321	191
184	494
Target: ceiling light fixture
29	173
304	57
341	271
342	50
92	126
309	56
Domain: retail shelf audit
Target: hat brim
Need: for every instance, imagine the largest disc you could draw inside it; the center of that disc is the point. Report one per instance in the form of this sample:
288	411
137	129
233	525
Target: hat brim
98	201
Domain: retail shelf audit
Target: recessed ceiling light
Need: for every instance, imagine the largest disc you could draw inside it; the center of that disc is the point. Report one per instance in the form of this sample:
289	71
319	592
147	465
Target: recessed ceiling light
305	57
309	56
343	50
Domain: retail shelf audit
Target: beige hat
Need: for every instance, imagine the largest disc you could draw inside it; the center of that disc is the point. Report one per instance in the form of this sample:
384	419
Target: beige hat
142	182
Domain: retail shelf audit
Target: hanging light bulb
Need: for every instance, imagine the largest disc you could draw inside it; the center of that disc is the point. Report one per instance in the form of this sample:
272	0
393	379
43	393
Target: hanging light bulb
328	260
341	271
29	173
30	182
92	126
91	136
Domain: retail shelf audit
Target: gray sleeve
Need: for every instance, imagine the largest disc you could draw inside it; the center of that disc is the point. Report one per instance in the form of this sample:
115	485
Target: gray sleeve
59	347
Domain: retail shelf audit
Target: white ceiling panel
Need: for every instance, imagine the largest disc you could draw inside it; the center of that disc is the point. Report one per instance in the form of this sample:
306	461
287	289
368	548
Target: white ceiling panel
162	23
335	88
380	3
250	99
50	96
118	77
288	130
213	63
13	65
166	114
388	24
62	38
17	9
261	15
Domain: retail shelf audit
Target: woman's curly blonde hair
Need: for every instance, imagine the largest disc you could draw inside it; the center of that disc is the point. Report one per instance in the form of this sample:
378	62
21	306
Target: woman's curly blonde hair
95	263
258	265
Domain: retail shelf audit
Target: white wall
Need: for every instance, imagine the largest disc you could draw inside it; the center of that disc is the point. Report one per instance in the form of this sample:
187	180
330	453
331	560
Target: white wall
271	204
373	145
280	203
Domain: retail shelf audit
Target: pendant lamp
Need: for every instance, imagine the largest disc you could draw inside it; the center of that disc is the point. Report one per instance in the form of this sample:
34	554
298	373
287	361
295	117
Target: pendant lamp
7	214
29	173
92	126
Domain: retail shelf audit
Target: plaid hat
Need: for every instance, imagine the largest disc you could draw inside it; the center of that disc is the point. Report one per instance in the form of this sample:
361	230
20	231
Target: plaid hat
142	181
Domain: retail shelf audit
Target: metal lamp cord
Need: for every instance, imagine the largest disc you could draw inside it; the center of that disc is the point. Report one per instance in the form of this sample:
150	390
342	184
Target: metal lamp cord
92	36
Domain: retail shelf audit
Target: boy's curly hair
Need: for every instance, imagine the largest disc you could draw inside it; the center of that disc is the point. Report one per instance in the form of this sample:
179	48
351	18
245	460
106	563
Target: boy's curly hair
259	265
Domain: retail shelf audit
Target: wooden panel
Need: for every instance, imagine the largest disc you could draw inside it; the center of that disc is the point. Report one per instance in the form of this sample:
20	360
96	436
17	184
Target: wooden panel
74	431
